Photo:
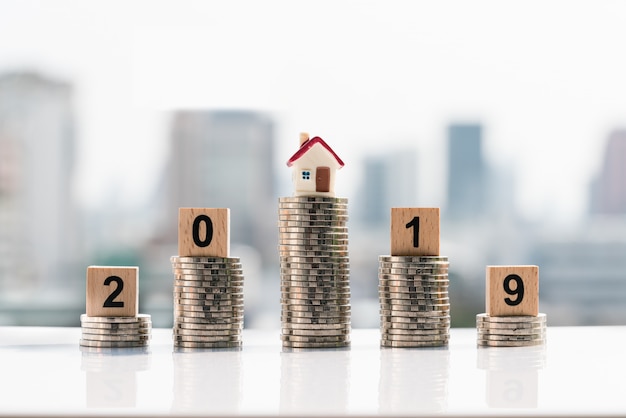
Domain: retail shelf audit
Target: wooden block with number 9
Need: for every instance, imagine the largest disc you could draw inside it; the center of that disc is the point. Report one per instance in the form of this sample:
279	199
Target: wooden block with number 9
112	291
512	290
203	232
414	231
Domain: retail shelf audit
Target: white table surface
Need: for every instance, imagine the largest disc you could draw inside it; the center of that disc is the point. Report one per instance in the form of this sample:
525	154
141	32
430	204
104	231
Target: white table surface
579	371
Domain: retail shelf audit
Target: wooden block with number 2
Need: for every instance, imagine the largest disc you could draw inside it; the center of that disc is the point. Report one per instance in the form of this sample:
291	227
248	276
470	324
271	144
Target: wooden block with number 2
415	231
112	291
203	232
512	290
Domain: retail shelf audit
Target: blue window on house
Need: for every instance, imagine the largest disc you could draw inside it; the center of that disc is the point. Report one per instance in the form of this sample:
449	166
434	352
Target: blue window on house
306	174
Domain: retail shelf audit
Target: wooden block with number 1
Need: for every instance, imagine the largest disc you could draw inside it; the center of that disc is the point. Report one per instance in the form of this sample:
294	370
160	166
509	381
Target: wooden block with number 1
203	232
112	291
415	231
512	290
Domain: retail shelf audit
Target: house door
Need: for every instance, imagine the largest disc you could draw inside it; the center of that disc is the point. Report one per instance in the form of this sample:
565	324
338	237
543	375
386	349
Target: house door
322	179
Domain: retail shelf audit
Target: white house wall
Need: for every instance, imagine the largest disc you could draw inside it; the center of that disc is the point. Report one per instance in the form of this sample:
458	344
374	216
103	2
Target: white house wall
317	156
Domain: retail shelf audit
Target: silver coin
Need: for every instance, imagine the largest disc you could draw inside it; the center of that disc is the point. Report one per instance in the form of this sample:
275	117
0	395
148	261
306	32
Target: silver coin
510	331
312	199
217	267
202	284
417	309
414	319
409	323
541	317
208	325
218	273
319	278
412	344
115	338
410	271
423	331
327	323
209	292
421	278
314	266
322	318
413	264
308	239
412	298
310	230
316	332
210	345
312	211
199	339
298	252
207	332
313	217
494	337
310	339
210	281
334	308
400	286
412	258
112	344
124	331
509	327
416	338
115	319
302	224
315	302
200	319
317	316
235	314
190	297
203	259
210	309
489	343
313	207
116	327
319	295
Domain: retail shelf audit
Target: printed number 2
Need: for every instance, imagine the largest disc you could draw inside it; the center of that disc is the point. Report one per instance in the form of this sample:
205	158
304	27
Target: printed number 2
110	302
518	291
415	223
208	235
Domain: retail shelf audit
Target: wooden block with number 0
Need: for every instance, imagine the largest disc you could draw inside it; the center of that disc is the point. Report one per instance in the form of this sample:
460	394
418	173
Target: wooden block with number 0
414	231
112	291
512	290
203	232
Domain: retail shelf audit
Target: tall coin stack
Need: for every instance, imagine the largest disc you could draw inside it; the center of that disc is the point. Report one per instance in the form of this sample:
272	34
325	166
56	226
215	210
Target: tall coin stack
208	302
115	331
511	331
314	272
414	302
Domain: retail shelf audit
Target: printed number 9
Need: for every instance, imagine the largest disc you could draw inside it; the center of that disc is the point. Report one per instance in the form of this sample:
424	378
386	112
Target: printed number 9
208	235
517	291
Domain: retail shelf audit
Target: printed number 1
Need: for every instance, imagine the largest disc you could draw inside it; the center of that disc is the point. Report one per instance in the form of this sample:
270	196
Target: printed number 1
415	223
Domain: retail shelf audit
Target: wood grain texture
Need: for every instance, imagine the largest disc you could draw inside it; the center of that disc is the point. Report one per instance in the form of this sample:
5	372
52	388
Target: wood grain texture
98	292
496	295
198	243
402	236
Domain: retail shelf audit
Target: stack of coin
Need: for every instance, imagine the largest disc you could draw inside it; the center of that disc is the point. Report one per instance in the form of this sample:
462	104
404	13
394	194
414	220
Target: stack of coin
208	302
115	331
511	331
414	302
314	272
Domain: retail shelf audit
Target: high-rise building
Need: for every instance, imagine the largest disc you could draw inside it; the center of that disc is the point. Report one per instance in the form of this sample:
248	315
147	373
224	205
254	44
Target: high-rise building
466	172
225	159
608	194
389	180
38	222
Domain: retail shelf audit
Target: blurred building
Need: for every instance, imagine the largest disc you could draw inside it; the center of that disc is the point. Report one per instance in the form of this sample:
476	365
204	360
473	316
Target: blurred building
38	222
389	180
608	191
225	159
466	172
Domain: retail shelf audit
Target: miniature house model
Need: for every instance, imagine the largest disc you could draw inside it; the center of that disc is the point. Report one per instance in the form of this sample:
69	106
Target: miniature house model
314	166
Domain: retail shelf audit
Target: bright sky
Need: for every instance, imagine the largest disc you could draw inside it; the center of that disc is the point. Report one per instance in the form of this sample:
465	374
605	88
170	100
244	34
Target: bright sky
546	78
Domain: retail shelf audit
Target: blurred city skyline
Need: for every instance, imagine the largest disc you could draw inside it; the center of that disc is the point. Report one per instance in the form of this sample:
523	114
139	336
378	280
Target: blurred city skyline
543	79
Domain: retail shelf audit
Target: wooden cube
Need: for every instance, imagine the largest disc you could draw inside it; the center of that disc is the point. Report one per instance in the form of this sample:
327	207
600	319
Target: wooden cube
112	291
203	232
512	290
414	231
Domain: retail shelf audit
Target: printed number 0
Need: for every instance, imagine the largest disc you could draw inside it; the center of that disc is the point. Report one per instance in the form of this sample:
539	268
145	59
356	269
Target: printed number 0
110	302
415	223
208	236
519	289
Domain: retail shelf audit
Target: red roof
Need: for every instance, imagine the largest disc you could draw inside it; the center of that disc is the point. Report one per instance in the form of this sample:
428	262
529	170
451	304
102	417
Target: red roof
308	145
